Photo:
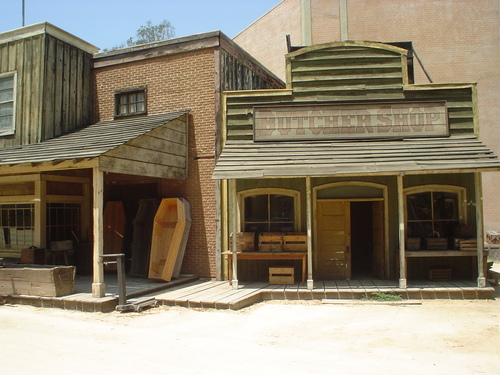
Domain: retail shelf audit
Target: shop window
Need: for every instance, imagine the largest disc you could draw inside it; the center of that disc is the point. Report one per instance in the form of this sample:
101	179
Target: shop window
7	103
434	213
130	102
270	211
17	225
63	221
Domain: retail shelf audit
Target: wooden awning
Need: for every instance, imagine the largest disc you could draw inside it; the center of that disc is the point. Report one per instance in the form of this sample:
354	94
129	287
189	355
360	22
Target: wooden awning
248	159
154	145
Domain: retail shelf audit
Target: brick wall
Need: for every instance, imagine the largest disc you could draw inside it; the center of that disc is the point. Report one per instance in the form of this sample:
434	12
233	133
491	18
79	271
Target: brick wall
177	82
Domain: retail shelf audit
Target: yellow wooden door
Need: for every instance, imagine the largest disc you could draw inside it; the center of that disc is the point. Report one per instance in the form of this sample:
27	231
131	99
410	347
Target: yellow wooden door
333	240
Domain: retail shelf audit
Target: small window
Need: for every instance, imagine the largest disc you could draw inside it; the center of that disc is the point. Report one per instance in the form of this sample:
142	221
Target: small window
17	226
432	214
130	102
269	213
7	103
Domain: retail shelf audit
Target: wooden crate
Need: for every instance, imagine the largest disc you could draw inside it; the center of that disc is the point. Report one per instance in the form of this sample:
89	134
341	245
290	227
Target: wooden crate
245	241
295	241
413	244
440	274
281	275
468	245
437	243
36	280
270	241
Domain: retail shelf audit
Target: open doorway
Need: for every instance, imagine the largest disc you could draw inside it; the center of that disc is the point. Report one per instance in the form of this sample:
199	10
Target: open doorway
361	239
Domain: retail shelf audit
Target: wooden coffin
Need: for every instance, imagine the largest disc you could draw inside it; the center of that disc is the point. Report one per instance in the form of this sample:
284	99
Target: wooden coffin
114	229
34	280
168	243
143	231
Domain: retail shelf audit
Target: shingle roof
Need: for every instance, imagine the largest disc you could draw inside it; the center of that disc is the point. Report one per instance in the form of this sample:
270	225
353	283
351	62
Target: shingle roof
248	159
86	143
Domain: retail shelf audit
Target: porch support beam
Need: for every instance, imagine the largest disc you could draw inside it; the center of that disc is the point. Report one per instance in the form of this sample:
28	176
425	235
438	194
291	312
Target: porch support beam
310	281
98	286
478	188
234	230
40	213
401	217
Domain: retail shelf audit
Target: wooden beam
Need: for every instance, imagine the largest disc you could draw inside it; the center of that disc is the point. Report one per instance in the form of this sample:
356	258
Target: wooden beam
234	227
40	214
310	281
478	191
98	286
401	217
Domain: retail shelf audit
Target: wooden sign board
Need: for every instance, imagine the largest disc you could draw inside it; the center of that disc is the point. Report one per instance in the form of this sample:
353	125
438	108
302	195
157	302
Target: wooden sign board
351	121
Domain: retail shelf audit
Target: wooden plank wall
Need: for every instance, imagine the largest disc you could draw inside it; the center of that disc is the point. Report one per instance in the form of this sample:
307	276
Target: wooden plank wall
237	76
160	153
350	74
53	93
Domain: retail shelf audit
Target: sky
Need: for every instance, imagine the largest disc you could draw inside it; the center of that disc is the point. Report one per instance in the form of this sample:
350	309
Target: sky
108	23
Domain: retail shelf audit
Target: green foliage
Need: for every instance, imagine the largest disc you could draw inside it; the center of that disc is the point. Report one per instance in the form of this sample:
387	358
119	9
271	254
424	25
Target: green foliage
152	33
379	296
149	33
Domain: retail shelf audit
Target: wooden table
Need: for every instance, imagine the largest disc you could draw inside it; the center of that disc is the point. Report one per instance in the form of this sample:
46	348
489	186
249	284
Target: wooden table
261	255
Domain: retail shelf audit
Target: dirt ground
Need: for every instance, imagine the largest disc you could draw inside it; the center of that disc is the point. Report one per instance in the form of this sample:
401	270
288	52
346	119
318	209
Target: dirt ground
436	337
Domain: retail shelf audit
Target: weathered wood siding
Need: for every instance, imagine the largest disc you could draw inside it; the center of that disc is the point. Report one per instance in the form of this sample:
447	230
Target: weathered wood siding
160	153
357	73
67	88
238	76
53	93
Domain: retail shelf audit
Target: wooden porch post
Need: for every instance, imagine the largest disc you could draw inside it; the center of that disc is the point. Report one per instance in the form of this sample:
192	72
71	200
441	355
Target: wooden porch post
401	216
234	230
40	213
98	286
478	187
310	281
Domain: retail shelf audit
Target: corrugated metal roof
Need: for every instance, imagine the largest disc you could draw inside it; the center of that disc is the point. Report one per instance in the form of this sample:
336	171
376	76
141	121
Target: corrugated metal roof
86	143
248	159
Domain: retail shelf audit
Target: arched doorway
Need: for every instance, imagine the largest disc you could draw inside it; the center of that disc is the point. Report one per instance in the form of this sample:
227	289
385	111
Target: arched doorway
350	231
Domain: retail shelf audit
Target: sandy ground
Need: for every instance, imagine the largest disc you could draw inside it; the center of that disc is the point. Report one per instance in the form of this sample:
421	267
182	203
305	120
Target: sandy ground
436	337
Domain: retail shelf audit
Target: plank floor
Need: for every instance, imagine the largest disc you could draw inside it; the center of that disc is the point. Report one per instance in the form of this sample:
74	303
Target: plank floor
188	291
221	295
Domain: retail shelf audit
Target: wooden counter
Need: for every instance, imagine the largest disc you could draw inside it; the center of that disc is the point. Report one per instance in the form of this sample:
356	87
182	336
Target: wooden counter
275	255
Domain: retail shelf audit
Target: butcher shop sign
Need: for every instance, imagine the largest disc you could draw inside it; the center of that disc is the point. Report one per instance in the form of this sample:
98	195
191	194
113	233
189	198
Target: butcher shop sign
380	120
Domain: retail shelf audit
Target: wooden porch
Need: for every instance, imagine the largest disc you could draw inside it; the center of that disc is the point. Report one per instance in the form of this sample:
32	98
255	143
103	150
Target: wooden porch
190	292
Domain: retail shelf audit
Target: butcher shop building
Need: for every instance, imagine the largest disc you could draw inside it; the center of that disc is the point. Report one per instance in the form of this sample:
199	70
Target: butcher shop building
352	171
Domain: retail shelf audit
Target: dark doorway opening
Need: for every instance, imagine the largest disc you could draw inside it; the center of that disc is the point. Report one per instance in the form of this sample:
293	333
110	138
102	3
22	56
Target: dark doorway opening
361	239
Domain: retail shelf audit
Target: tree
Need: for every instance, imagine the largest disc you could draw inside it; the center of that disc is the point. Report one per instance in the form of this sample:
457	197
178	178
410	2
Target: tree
152	33
149	33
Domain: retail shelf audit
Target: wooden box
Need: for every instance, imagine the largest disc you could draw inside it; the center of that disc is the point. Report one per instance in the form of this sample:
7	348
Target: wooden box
440	274
413	244
281	275
44	281
245	241
468	245
294	241
437	243
33	255
270	241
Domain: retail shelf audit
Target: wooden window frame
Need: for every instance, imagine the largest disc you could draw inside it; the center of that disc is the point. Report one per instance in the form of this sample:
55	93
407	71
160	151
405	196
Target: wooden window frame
295	194
127	93
460	191
12	129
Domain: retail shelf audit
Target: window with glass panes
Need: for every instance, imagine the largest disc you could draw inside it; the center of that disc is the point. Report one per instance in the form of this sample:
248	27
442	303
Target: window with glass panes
17	225
7	96
269	213
432	214
131	102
